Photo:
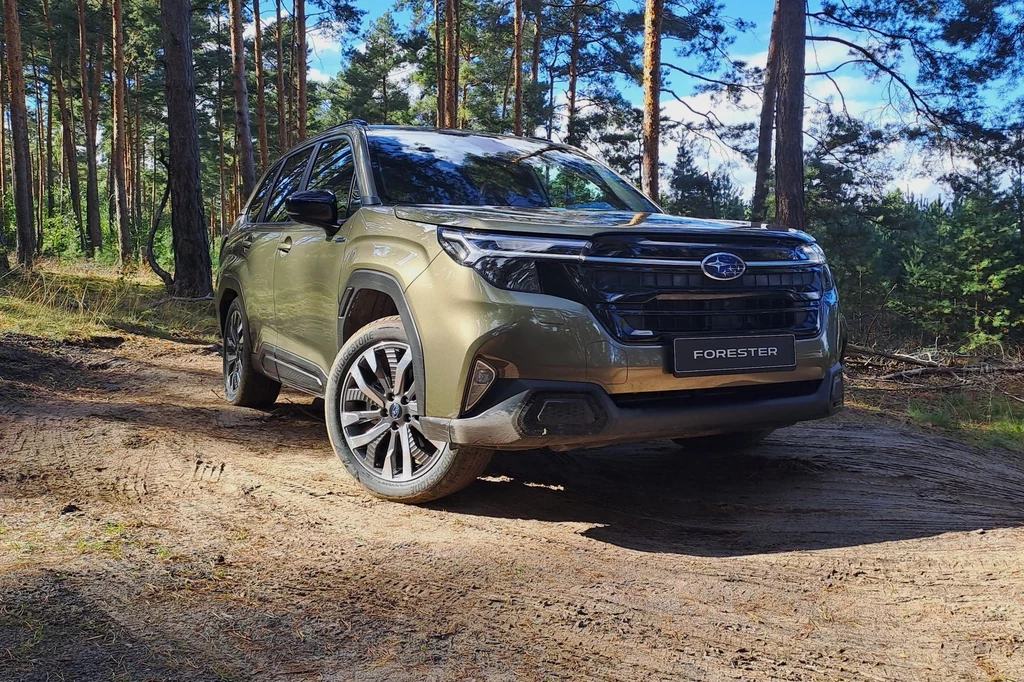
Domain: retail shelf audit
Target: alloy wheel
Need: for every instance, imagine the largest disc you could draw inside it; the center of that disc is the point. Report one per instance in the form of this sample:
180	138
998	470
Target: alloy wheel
234	345
380	414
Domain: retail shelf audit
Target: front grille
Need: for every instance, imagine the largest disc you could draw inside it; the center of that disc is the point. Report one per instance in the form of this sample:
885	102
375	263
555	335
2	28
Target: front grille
772	313
645	303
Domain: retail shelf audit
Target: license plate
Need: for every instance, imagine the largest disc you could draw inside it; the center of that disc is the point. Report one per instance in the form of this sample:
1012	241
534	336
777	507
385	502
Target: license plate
734	354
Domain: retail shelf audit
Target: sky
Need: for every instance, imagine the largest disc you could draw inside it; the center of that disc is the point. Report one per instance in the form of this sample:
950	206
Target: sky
863	97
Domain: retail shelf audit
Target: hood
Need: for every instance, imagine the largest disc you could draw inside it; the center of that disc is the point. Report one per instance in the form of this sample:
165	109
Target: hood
580	223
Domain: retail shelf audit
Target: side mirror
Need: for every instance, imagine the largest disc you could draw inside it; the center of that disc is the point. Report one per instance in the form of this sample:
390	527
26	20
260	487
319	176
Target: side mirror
317	207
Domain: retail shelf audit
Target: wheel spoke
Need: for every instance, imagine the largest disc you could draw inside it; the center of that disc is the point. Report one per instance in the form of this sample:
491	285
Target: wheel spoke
371	393
366	438
350	418
405	439
388	468
413	407
400	372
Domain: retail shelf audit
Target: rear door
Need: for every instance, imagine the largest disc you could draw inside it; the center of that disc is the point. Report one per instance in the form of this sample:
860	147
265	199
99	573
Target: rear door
309	264
255	246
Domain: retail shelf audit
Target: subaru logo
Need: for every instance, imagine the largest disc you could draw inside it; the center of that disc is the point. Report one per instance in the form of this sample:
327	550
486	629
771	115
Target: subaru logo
723	266
396	410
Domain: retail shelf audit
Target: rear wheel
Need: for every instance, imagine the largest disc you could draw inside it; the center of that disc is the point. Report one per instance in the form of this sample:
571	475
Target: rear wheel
243	385
373	417
724	443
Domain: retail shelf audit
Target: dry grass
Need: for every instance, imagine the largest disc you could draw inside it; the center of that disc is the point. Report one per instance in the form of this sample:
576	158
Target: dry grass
84	301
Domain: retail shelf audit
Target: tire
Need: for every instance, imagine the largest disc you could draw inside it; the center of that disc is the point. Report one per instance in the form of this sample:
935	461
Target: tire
243	385
724	443
372	419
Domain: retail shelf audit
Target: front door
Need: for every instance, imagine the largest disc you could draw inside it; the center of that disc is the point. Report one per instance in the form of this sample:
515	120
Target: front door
307	291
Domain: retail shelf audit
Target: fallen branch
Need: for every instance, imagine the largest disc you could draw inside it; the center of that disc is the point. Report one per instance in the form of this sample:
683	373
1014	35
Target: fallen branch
864	350
954	371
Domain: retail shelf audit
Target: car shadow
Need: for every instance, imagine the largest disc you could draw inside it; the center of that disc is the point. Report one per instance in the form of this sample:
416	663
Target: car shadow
818	486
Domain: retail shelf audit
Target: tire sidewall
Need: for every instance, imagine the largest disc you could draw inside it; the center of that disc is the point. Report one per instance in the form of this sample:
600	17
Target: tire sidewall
388	329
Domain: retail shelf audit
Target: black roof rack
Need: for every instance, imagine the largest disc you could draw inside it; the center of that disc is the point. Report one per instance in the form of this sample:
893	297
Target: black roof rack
353	121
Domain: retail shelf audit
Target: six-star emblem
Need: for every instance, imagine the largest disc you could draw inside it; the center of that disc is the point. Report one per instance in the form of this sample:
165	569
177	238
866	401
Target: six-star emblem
723	266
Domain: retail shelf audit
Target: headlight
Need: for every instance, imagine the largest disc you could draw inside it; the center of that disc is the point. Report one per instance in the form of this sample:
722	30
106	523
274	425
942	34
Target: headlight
508	261
812	253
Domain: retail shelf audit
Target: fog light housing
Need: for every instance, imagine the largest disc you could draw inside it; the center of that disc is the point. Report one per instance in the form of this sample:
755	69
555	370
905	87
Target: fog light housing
480	380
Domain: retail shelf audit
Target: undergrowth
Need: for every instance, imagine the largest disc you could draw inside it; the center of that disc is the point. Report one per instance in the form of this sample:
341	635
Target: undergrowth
83	301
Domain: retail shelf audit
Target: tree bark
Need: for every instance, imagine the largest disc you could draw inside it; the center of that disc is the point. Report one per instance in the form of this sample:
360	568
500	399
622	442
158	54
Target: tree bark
243	133
651	138
439	66
122	217
3	152
789	153
89	118
517	68
535	55
193	272
261	97
300	49
282	126
767	123
451	64
19	135
574	71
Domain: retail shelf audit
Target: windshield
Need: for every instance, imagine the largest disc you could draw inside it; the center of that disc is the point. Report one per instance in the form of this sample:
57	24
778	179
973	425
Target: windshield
452	169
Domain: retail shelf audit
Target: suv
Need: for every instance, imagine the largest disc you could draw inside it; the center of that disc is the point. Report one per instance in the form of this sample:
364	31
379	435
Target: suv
451	293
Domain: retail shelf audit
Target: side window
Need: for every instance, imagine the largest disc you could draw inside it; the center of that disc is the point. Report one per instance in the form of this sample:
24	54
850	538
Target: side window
333	170
256	205
287	184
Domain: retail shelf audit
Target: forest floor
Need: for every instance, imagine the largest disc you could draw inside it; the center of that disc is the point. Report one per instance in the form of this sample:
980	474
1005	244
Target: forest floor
149	531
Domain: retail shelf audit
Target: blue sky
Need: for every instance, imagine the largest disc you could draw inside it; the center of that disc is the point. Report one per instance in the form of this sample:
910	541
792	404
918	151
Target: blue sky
863	97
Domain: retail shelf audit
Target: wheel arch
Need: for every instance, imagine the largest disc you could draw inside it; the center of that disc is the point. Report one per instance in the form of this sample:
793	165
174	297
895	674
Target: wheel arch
370	295
228	291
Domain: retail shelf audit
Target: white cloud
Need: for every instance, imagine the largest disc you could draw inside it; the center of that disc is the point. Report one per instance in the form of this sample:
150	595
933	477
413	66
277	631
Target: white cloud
317	75
324	40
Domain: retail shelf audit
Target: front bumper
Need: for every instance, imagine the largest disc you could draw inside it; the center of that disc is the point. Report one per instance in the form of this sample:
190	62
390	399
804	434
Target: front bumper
569	415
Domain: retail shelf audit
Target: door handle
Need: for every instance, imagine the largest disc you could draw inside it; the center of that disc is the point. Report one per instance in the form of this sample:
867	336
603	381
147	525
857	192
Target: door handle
246	242
285	246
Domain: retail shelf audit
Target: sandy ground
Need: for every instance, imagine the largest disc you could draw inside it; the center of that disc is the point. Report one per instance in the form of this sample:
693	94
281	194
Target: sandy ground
148	531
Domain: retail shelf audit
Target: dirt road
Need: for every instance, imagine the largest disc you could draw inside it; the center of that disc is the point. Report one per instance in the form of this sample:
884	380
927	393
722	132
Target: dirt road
148	531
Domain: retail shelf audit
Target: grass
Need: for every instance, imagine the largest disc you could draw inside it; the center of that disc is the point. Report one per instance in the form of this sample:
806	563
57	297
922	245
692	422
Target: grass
989	419
82	302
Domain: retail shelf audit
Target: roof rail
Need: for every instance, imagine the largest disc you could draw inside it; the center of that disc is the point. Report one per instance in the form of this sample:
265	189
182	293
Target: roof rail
354	121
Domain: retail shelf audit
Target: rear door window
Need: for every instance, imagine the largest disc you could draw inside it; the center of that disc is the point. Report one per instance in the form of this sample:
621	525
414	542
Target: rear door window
287	184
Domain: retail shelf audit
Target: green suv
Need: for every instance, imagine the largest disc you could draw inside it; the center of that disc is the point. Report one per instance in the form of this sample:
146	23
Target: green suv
451	293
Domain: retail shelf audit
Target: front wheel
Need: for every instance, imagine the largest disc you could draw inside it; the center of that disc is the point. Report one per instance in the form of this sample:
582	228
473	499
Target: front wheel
373	418
724	443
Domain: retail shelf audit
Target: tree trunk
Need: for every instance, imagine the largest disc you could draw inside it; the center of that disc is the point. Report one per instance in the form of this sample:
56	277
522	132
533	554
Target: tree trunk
89	120
67	130
261	97
767	125
282	126
574	71
300	49
3	153
517	68
192	267
789	153
243	134
535	55
439	65
122	217
41	180
451	64
653	11
19	134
